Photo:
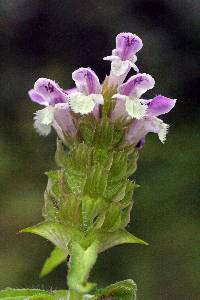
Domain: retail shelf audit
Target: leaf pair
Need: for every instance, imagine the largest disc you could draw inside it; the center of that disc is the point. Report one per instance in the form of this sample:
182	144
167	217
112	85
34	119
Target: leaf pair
61	235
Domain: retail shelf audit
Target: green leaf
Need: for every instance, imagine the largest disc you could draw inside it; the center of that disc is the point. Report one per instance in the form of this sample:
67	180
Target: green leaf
126	215
76	164
119	237
128	197
56	257
87	132
119	166
62	295
102	157
79	158
34	294
82	261
123	290
117	136
70	210
90	210
51	203
54	175
60	235
132	163
112	218
75	180
96	182
61	154
115	191
24	294
103	137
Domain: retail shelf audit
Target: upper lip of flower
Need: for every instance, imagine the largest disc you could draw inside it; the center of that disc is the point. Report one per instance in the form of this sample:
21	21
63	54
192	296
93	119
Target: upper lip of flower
127	45
47	92
86	81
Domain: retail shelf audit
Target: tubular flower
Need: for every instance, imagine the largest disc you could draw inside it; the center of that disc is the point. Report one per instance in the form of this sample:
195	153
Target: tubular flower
123	58
129	93
159	105
88	95
56	113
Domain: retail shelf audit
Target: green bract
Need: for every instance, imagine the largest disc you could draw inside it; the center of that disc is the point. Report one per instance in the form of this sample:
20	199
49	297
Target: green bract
88	201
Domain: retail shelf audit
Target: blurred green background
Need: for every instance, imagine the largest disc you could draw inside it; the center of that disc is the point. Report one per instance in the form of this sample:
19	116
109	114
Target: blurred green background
53	38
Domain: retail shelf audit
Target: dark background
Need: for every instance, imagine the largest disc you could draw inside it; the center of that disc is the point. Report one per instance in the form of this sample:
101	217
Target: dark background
53	38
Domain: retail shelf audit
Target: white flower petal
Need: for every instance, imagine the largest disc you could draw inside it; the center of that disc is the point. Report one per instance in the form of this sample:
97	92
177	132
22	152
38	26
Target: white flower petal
97	98
111	57
81	103
163	132
135	68
119	67
159	127
144	101
120	97
45	115
133	59
135	108
41	128
43	120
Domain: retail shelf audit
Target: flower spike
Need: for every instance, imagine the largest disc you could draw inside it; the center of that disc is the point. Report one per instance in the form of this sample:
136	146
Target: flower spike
88	199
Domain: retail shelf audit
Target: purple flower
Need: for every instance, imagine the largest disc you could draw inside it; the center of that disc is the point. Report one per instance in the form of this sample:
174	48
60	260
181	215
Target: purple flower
150	123
137	85
124	56
88	96
127	45
56	113
86	81
63	122
47	92
160	105
129	94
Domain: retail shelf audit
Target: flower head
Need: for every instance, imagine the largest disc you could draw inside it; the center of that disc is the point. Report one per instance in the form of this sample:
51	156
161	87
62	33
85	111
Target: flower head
124	101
